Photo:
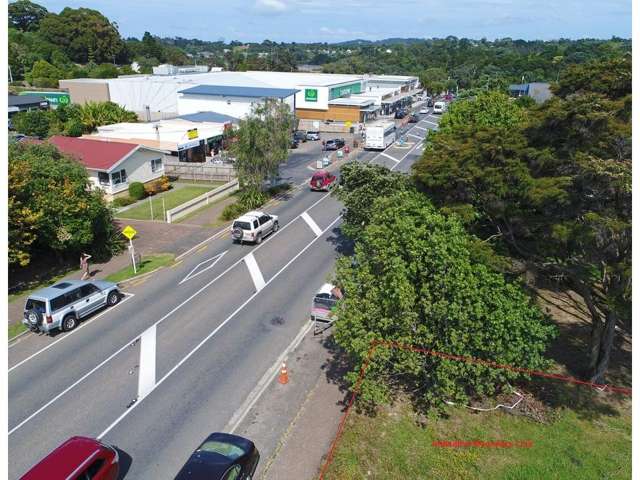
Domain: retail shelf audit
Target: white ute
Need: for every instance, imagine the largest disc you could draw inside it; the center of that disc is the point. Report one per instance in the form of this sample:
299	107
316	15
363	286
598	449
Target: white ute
253	227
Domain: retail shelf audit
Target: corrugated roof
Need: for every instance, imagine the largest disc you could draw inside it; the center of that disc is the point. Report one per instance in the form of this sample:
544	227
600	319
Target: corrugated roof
91	153
214	117
17	100
232	91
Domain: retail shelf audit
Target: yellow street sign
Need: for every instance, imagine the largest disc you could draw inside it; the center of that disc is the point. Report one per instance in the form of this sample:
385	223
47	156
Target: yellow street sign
192	133
129	232
348	124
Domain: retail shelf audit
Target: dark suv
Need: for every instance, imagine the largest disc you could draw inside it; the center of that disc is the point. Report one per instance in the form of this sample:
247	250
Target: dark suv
300	136
400	114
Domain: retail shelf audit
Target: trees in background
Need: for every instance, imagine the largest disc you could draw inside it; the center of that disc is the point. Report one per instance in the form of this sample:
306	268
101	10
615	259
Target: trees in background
52	208
551	185
414	280
25	16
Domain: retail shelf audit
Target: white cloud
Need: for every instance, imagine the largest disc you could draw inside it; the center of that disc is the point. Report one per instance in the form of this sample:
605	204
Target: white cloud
270	6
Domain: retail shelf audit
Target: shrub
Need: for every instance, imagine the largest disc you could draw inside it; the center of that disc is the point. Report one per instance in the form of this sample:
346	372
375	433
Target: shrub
233	210
136	191
276	189
122	201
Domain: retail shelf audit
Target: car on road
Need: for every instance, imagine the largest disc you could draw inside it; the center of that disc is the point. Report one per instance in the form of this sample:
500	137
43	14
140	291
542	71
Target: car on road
413	118
64	304
400	114
430	102
300	135
322	181
79	458
313	135
294	143
439	107
253	227
334	144
424	111
221	456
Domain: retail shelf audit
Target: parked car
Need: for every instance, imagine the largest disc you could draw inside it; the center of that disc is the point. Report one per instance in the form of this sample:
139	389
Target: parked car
400	114
79	458
424	111
322	181
300	136
253	227
313	135
413	118
439	107
430	102
221	456
334	144
294	143
64	304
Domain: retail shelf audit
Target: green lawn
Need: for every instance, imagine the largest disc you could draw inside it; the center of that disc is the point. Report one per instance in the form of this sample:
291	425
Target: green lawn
147	265
576	444
172	199
16	329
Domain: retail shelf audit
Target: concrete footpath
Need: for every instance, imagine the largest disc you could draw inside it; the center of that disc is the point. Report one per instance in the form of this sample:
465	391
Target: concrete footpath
293	425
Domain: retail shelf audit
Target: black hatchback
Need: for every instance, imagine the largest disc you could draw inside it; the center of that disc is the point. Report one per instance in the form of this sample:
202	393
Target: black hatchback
221	456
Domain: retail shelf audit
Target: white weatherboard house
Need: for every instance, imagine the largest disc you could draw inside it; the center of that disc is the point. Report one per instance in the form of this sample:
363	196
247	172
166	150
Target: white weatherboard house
112	166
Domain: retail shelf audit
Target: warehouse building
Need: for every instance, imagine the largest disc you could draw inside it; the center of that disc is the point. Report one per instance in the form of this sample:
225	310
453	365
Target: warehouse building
313	96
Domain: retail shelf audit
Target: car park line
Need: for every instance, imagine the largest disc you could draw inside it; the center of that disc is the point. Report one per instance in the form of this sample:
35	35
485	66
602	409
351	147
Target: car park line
432	123
414	136
384	154
164	317
82	325
312	224
217	329
421	128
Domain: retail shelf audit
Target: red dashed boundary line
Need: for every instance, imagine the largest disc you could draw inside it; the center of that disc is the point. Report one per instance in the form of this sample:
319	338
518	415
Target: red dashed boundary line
381	343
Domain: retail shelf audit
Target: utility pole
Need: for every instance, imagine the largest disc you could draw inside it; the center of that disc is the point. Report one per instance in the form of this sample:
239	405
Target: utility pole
10	75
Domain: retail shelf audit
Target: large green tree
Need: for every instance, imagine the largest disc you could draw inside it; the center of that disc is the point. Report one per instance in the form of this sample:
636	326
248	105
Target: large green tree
25	15
262	144
413	280
57	212
554	189
43	74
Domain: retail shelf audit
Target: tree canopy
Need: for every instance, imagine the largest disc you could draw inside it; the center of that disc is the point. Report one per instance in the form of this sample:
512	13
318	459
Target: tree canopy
25	15
413	280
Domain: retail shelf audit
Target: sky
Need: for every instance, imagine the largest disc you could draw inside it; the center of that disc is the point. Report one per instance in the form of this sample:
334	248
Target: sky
335	21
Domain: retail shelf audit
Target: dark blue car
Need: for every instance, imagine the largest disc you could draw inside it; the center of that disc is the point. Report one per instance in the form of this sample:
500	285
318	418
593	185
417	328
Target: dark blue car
221	456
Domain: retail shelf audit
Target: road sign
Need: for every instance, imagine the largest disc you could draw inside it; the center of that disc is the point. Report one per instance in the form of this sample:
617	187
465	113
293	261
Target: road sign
129	232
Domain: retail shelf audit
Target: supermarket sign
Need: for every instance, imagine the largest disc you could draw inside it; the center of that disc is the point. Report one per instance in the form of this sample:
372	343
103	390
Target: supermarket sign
310	95
55	98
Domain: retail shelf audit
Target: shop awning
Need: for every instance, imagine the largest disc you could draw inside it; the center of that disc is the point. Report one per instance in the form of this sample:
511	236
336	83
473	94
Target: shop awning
371	108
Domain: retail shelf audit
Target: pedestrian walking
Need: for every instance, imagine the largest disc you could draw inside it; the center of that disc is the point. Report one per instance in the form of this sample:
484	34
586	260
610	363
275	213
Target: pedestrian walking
323	145
84	265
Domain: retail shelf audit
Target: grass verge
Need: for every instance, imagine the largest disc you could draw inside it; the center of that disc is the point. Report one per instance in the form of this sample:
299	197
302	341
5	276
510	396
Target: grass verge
576	444
16	329
172	199
148	264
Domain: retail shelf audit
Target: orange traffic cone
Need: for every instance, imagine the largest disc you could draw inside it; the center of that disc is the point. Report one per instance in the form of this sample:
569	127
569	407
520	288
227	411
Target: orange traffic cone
283	378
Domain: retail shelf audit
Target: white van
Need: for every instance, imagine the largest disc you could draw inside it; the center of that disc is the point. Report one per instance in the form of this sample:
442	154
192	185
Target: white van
439	107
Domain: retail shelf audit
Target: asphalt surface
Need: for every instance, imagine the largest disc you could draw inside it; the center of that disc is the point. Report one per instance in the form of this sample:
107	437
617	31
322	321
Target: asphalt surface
208	329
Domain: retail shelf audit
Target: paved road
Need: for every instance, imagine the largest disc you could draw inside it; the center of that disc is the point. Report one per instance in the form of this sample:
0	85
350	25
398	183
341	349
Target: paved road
183	350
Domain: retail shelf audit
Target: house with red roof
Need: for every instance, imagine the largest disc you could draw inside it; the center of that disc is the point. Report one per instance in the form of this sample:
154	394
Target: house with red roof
112	166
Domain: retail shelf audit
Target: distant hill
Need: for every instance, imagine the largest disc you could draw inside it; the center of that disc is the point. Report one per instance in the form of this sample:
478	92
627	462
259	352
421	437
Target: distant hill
386	41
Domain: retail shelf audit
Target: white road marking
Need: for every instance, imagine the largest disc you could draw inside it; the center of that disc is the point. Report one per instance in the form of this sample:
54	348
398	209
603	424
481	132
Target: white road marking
175	309
264	382
82	325
212	260
215	331
432	123
215	235
147	370
254	271
310	168
421	128
390	157
414	136
312	224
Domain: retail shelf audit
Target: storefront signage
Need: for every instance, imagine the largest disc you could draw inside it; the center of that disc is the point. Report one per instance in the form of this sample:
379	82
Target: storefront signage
345	90
310	95
191	144
192	133
54	98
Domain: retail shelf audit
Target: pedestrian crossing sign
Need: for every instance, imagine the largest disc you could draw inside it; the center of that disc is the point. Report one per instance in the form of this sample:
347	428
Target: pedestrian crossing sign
129	232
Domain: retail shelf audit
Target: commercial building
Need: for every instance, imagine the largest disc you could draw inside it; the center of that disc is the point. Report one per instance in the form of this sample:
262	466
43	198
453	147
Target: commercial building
187	141
112	166
25	103
539	91
314	96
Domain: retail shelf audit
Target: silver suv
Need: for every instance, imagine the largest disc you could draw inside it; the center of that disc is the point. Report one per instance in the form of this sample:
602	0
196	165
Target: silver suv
63	305
253	227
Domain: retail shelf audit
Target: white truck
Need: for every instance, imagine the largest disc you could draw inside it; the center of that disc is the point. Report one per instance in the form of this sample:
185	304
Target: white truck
379	136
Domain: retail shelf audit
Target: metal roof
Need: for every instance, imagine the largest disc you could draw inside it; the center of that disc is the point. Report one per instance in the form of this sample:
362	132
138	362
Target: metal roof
352	101
232	91
18	100
214	117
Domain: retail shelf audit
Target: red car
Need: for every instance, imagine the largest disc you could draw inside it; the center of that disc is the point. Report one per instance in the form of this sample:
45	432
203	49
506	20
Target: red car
322	180
78	458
